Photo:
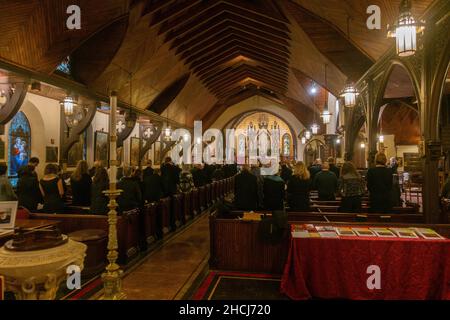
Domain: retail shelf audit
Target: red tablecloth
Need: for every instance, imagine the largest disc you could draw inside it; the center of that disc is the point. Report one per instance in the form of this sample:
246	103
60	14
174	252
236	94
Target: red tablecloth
337	268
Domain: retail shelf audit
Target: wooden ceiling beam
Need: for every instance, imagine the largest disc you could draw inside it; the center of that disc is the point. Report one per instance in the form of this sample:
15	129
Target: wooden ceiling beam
183	44
221	73
246	68
210	19
260	9
154	5
225	38
229	93
225	58
172	11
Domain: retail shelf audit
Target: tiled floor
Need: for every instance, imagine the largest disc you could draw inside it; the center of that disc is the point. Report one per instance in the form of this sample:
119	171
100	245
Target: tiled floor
168	270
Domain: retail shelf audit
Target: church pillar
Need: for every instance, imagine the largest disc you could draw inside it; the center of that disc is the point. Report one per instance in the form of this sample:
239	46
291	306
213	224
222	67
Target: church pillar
430	190
330	147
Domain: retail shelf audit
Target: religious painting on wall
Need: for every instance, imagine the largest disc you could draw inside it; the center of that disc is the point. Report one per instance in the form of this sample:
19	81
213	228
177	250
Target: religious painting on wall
77	152
101	144
19	143
157	153
120	155
51	154
135	144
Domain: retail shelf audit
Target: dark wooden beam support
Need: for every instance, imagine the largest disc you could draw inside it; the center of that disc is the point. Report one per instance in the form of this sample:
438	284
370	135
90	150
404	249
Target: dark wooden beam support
172	11
75	132
147	142
14	102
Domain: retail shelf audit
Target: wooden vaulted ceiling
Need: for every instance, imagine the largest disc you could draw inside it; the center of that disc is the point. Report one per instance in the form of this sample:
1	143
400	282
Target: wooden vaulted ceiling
192	59
227	44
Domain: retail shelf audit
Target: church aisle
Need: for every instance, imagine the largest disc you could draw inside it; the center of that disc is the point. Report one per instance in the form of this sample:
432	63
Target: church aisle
170	268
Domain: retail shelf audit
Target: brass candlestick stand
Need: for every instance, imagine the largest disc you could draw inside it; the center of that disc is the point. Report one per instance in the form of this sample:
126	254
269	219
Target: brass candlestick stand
112	278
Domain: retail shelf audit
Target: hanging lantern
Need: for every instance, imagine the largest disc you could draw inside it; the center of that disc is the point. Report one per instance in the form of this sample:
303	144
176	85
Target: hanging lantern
303	140
130	119
308	134
326	116
68	104
405	30
314	128
381	138
349	94
186	137
338	141
167	133
362	145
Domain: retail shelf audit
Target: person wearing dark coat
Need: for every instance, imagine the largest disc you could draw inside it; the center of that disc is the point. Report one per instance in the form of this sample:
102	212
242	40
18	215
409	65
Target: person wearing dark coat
52	189
218	174
81	182
245	190
286	172
100	183
298	188
28	190
153	187
314	169
33	162
326	183
379	184
273	193
131	196
148	170
333	167
198	175
170	177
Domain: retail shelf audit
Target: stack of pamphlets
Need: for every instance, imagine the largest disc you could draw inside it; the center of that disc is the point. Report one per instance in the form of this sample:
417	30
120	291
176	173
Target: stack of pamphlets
404	233
383	232
364	232
326	232
426	233
345	231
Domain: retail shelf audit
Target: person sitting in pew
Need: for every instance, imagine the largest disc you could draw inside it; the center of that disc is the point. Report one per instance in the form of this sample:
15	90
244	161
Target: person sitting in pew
333	167
273	187
298	187
326	183
100	183
52	189
198	175
137	175
131	196
315	168
81	182
28	189
170	176
379	184
245	190
351	188
152	184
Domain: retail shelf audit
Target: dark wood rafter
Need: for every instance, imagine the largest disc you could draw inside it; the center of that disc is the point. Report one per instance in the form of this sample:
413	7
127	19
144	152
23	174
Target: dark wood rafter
167	146
165	98
125	133
14	102
147	142
75	132
229	43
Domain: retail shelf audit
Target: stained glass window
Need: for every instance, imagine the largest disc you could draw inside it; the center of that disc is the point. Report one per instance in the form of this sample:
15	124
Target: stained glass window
64	66
19	143
286	145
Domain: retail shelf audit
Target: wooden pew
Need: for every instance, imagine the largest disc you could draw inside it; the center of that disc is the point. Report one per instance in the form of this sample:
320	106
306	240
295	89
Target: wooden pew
126	224
202	198
187	206
195	201
213	192
164	216
177	209
208	199
149	224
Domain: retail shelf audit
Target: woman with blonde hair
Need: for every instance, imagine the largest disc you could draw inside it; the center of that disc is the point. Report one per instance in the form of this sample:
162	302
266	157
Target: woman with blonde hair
81	182
351	188
298	187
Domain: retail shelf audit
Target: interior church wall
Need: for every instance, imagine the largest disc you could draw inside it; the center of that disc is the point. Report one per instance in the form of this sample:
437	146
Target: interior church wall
262	104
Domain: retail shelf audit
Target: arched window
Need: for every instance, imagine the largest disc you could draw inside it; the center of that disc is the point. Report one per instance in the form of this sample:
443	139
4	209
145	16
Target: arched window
286	145
19	143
